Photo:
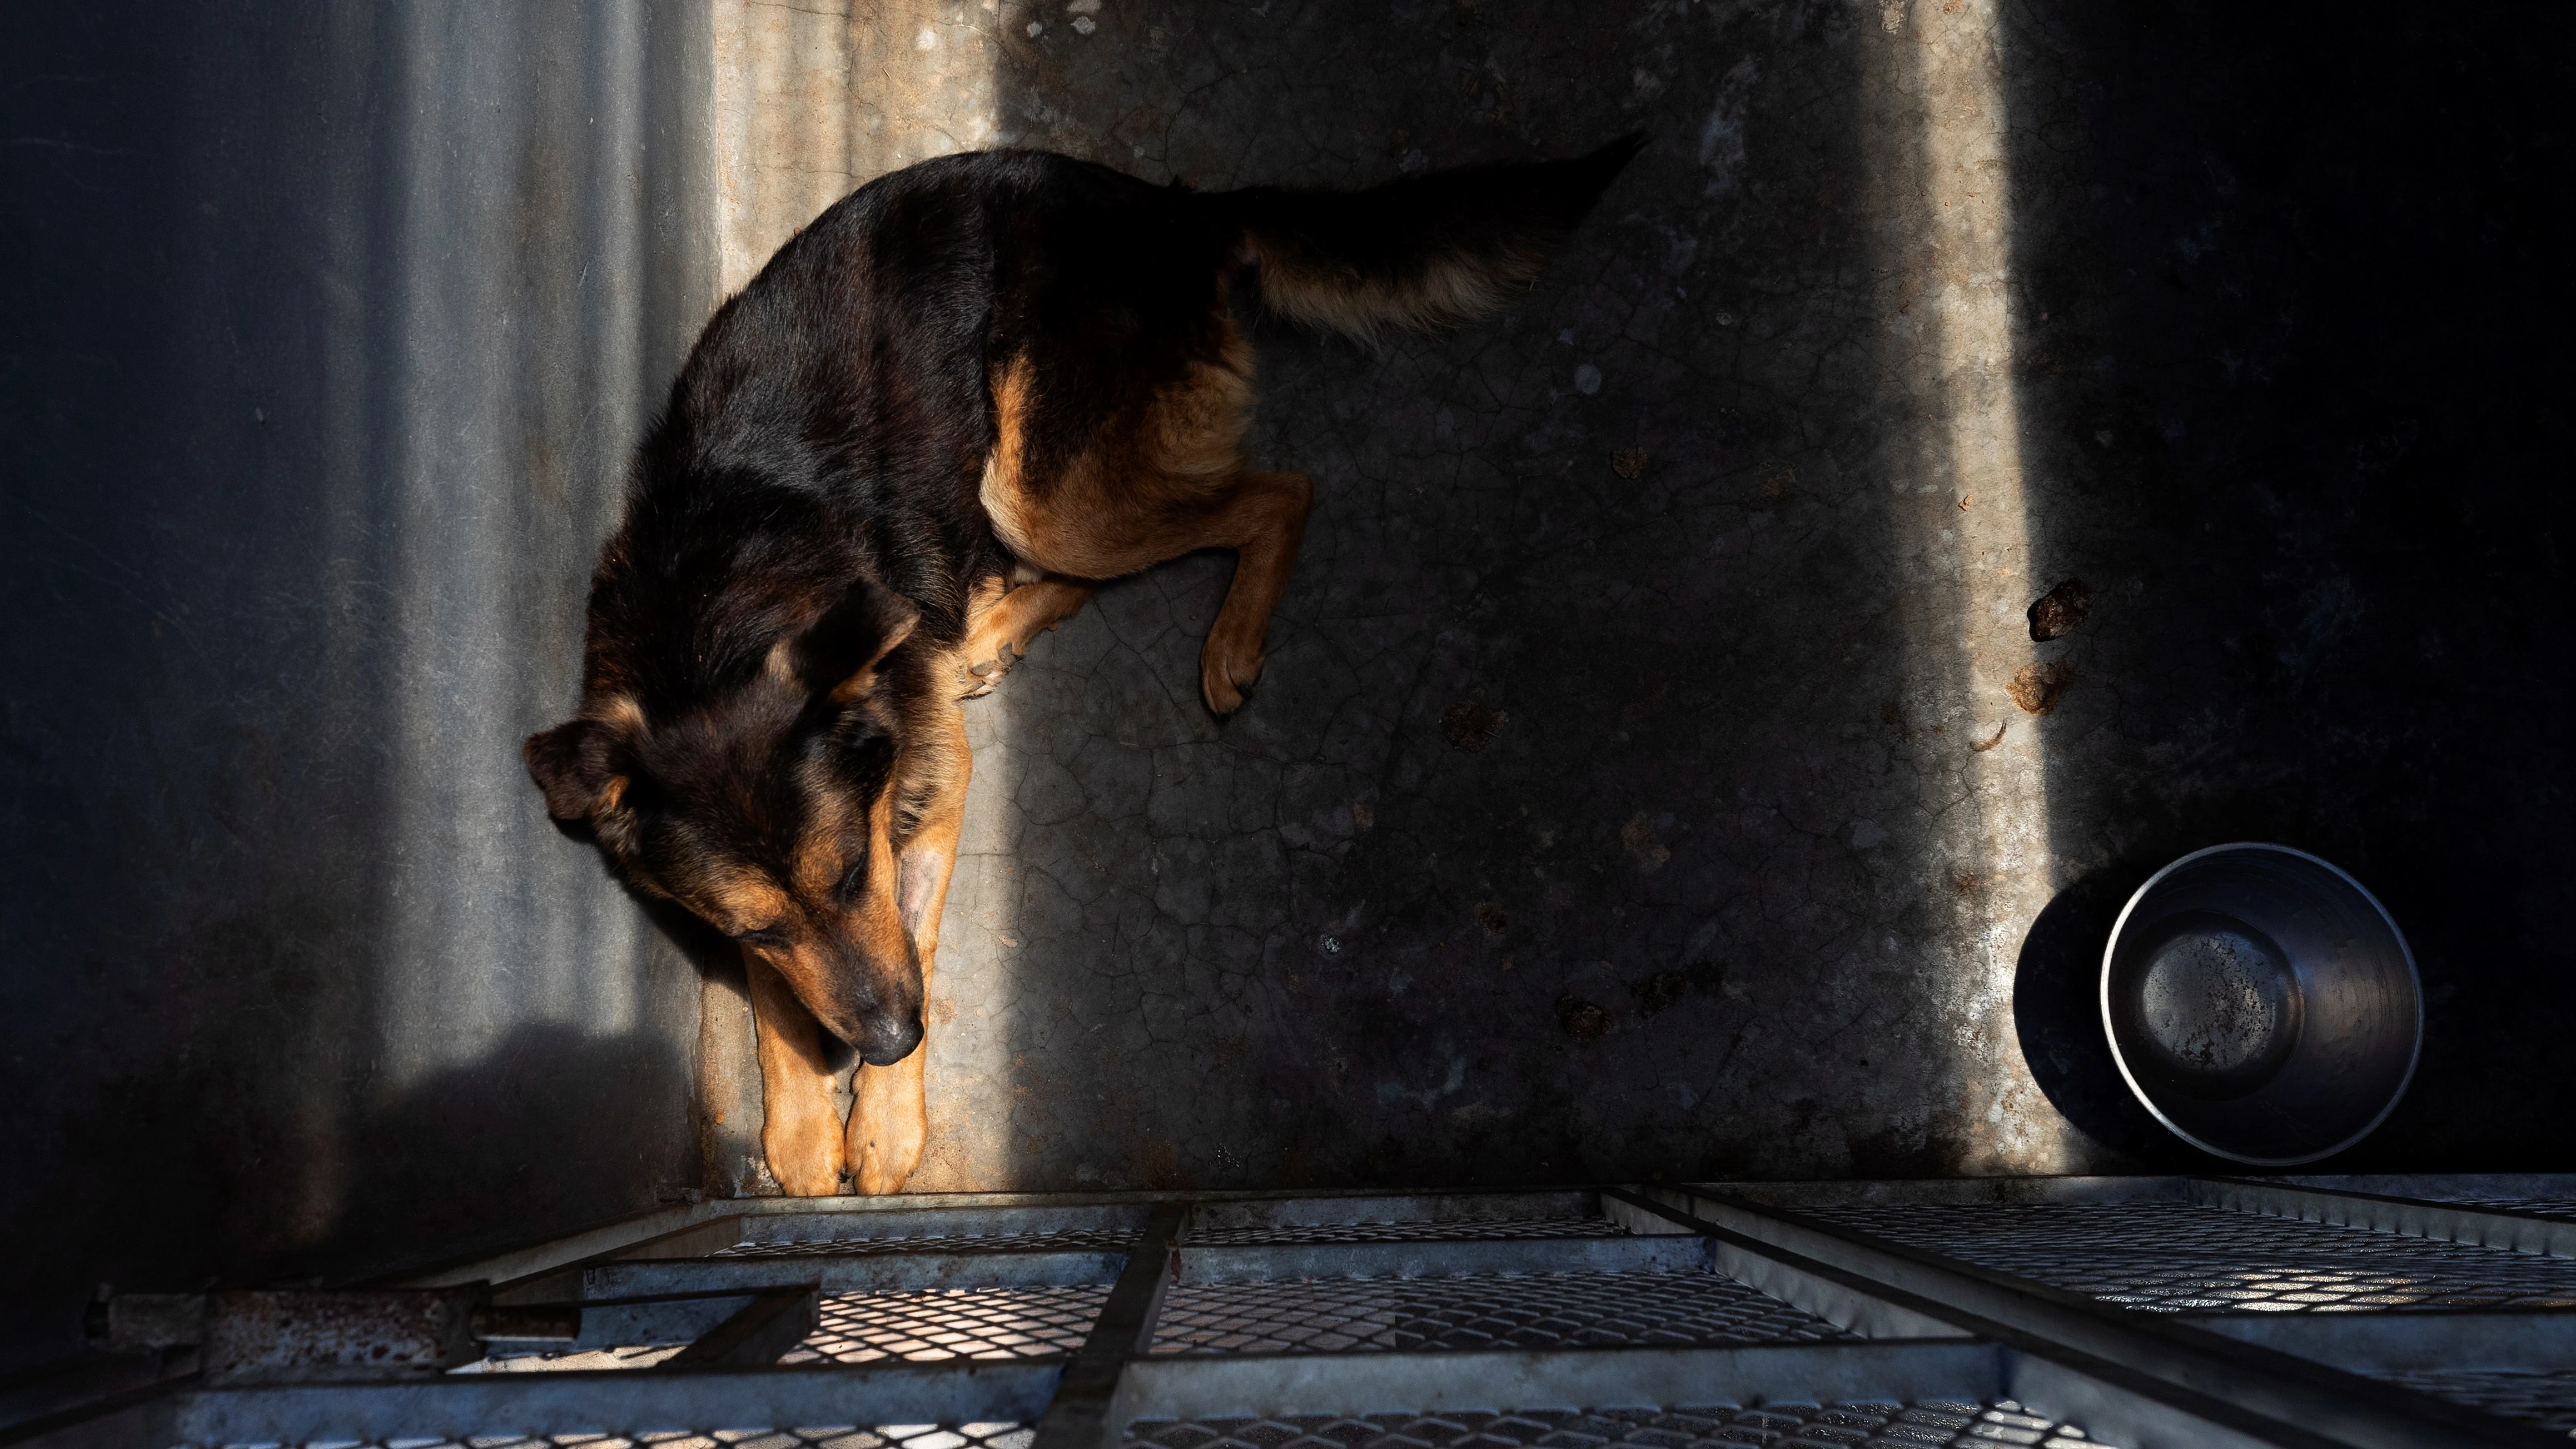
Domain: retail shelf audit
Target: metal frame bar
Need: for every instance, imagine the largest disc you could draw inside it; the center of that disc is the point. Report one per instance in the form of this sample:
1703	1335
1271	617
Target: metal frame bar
1277	1385
2444	1222
619	1401
1268	1262
2514	1340
2109	1395
623	1235
855	1273
1085	1411
2341	1407
760	1333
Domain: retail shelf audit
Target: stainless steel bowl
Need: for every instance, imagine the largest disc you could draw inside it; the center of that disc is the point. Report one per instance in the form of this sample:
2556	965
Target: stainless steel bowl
2262	1004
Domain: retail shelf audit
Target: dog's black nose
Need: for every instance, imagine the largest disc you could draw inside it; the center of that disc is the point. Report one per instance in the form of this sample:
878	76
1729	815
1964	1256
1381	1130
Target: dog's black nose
889	1039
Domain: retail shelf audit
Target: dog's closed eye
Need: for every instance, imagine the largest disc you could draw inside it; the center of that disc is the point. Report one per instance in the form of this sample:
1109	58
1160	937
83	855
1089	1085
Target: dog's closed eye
854	881
763	937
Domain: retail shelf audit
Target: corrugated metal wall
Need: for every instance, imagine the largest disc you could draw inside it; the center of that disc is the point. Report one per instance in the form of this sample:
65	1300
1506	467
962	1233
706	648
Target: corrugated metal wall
330	327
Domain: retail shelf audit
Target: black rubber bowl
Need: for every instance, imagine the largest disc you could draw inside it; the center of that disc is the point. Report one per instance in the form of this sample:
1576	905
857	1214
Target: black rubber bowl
2262	1004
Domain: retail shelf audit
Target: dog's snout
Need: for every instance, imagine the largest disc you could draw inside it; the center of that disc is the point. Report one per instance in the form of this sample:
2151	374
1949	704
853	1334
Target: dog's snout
874	1006
890	1038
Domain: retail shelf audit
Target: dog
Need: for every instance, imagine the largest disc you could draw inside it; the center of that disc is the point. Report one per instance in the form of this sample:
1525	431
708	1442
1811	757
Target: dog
968	392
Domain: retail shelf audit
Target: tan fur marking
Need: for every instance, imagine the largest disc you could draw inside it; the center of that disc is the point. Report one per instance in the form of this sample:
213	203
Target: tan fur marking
620	712
817	863
742	901
622	716
857	686
889	1121
780	664
876	920
1013	389
1449	290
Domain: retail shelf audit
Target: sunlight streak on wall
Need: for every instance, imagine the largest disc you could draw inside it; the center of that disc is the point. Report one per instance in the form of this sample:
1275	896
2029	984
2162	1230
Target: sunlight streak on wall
811	103
1943	194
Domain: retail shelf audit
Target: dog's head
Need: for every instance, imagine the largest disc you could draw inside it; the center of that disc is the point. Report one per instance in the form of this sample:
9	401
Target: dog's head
767	809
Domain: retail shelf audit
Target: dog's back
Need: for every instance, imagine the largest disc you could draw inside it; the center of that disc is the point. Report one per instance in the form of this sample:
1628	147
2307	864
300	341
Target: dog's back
854	370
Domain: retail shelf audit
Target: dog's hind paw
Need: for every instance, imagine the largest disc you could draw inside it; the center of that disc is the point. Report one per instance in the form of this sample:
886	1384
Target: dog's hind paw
1224	675
977	678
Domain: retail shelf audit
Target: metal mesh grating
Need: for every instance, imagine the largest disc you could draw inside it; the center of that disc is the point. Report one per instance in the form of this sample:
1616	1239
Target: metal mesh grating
1876	1425
1487	1310
2184	1257
953	1323
1487	1230
882	1436
2547	1399
1112	1239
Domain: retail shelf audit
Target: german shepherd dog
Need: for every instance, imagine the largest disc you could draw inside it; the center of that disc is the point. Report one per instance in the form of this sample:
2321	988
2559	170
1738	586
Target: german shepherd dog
968	392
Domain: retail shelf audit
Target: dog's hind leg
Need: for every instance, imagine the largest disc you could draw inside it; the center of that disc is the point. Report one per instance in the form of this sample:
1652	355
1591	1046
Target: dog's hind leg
1153	484
1265	521
889	1121
800	1129
1105	532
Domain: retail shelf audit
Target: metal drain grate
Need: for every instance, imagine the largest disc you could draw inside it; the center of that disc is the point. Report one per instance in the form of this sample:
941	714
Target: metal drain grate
1108	1239
882	1436
2184	1257
1489	1230
1493	1310
2547	1399
954	1323
1875	1425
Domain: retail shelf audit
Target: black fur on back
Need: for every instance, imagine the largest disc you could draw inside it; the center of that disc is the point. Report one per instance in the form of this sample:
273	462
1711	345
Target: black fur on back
832	422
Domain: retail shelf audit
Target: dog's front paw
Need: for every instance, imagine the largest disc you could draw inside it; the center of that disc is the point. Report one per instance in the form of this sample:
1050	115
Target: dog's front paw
884	1151
805	1156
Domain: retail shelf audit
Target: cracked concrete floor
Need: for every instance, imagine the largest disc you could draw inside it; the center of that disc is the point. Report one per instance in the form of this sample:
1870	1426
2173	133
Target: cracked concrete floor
1655	772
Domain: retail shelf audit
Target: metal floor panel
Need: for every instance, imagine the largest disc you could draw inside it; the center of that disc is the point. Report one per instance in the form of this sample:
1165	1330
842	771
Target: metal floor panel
1483	1311
1499	1229
1914	1426
2547	1399
963	1323
881	1436
855	1246
1406	1322
2174	1257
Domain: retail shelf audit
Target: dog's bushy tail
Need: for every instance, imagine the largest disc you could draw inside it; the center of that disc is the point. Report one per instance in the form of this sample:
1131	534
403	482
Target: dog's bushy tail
1422	251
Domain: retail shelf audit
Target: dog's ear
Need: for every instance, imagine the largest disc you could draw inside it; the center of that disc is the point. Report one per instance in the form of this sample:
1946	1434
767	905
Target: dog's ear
581	766
838	654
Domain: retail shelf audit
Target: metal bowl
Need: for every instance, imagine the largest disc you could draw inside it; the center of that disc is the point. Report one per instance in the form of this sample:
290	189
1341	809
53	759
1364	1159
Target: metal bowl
2262	1004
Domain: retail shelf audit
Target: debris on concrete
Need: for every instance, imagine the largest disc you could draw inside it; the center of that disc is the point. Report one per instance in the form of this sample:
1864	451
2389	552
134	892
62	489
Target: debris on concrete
2055	614
1581	1019
2038	688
